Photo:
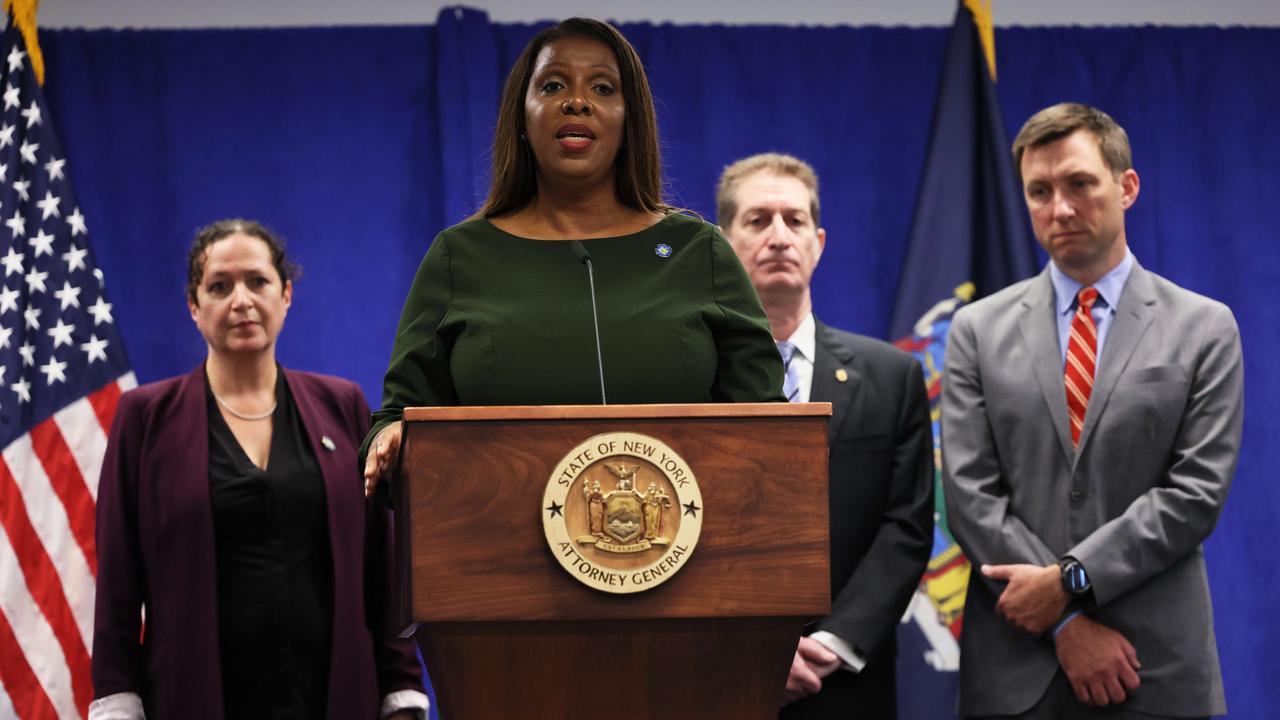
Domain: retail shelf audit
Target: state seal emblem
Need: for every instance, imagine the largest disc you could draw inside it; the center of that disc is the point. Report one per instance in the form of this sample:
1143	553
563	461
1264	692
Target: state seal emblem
622	512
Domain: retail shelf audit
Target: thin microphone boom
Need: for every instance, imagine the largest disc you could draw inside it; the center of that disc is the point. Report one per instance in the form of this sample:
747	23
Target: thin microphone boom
580	252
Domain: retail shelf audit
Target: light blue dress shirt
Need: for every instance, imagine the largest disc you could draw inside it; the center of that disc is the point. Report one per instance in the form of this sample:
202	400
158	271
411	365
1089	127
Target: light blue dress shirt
1109	288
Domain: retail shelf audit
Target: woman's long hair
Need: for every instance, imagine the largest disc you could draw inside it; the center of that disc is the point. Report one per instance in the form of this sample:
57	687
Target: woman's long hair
638	166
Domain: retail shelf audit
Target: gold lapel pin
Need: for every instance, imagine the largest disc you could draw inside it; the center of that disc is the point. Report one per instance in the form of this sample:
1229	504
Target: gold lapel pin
328	443
842	375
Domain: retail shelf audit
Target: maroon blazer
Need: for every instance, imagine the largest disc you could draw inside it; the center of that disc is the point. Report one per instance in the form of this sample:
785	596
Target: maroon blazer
156	549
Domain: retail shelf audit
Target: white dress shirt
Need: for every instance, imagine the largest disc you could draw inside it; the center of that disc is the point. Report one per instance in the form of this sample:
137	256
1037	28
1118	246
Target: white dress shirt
805	340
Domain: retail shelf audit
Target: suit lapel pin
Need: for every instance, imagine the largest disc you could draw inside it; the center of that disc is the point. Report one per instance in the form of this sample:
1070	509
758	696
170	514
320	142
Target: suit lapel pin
327	442
842	375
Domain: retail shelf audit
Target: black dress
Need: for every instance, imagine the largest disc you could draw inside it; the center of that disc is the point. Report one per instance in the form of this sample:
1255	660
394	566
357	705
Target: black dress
275	575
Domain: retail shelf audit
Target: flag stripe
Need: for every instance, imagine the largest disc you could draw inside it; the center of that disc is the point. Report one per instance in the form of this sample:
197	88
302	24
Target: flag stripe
37	612
105	399
66	480
6	705
48	518
86	441
55	570
28	698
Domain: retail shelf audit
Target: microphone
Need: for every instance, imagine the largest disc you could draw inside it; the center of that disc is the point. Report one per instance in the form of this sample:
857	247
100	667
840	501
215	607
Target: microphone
584	257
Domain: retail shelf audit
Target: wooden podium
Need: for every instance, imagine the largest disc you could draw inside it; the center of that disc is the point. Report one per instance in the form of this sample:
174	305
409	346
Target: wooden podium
508	632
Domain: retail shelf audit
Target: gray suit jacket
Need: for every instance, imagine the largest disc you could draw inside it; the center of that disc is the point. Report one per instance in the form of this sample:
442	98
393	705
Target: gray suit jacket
1157	453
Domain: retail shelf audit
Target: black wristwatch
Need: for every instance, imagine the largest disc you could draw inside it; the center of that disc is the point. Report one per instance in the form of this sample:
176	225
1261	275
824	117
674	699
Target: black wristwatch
1074	579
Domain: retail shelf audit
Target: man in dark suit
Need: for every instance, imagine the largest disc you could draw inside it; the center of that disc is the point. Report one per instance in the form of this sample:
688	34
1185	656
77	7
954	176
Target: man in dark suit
881	466
1091	423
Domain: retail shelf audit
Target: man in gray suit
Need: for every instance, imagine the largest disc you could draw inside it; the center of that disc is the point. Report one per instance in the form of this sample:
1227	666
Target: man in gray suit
1090	424
881	463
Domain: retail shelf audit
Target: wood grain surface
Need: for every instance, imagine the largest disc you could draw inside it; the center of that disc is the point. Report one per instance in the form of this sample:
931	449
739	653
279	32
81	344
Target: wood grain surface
601	412
471	503
509	633
598	670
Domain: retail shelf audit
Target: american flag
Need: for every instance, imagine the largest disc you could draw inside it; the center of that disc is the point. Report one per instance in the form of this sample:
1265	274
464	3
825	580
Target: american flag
62	370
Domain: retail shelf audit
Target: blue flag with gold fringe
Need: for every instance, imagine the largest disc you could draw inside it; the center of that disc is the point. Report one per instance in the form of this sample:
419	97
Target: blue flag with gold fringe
969	237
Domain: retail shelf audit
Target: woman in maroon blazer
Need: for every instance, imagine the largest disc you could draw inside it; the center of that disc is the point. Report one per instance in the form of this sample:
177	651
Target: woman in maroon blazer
231	517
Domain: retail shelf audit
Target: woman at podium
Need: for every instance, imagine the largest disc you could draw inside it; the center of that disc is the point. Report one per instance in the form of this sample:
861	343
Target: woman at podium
503	309
241	573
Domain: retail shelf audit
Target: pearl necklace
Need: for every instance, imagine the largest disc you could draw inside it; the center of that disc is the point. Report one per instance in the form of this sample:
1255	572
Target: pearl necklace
241	415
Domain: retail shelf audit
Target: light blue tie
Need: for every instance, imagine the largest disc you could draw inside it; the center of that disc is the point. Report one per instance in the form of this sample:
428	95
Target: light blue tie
791	378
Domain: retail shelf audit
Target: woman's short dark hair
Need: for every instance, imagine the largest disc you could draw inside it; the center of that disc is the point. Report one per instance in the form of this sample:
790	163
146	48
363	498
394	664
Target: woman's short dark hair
213	232
638	166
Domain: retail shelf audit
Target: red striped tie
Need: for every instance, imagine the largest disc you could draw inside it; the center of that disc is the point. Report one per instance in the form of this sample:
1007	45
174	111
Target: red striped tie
1082	361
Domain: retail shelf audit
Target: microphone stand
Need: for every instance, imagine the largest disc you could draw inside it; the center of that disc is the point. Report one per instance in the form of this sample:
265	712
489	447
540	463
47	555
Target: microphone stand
580	252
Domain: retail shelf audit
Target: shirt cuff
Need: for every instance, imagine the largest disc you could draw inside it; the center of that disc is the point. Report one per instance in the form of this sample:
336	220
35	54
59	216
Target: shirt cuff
405	700
851	659
119	706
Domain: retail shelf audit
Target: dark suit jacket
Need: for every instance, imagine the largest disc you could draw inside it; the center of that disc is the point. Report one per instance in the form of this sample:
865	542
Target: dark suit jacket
881	510
155	546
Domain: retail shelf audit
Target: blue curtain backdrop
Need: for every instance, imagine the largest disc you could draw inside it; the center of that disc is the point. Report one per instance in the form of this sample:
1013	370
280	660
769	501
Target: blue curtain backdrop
359	144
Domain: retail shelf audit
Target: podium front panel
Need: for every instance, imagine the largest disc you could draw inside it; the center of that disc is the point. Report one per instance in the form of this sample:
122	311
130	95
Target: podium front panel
470	512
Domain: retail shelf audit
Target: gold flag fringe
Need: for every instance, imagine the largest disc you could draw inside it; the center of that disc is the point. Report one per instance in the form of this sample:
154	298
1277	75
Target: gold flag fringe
23	13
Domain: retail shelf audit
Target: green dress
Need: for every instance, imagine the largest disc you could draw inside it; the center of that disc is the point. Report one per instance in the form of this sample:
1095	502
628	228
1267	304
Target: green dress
497	319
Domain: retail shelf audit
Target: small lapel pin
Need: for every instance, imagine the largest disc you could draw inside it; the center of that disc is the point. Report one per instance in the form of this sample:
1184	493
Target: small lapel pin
328	443
842	375
663	250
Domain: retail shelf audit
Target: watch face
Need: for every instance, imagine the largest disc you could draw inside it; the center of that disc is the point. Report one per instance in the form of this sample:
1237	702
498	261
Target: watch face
1074	578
